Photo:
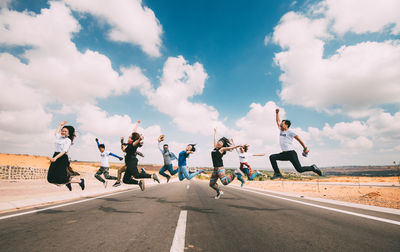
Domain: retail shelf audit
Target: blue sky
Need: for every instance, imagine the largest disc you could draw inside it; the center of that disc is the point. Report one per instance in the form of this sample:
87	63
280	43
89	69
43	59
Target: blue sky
184	67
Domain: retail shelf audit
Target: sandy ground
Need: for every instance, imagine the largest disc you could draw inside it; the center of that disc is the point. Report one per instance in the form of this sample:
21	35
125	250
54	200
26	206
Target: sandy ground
362	190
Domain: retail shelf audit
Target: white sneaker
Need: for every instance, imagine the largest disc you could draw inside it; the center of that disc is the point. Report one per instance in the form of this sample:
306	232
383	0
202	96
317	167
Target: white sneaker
155	177
105	184
219	194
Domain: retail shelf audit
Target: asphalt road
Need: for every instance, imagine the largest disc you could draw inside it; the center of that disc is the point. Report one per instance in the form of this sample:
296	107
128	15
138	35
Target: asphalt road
239	221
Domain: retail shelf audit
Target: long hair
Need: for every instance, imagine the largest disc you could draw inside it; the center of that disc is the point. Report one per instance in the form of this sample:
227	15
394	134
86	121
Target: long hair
71	132
135	136
225	141
193	147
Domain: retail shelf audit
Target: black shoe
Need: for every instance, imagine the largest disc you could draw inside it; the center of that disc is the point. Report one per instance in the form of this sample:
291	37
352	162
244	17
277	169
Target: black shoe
82	184
168	178
69	186
316	170
117	184
277	176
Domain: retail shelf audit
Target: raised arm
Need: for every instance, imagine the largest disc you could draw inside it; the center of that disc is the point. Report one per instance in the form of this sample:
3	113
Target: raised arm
136	126
305	149
123	145
160	140
60	125
215	137
97	141
278	120
234	145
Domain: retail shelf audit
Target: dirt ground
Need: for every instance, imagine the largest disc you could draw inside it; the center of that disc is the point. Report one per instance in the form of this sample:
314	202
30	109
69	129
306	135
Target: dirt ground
362	190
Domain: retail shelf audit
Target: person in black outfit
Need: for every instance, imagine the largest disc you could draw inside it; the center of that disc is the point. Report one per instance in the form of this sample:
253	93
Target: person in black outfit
220	148
131	161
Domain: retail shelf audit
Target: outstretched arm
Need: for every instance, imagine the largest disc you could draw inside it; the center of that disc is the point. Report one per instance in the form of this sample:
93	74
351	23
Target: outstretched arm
112	154
60	125
229	148
259	155
278	120
305	149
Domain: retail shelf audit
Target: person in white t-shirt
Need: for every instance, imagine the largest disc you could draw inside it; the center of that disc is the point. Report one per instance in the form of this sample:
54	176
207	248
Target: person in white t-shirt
244	165
59	172
288	153
105	165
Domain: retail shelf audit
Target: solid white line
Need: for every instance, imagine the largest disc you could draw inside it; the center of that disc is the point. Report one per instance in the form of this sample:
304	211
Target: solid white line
178	244
327	208
66	204
334	202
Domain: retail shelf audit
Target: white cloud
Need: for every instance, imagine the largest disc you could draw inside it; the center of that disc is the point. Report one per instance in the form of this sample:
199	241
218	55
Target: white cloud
181	81
363	16
353	80
131	21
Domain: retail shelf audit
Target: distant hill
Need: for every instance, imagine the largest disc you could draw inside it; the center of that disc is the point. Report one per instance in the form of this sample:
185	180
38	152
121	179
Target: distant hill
372	170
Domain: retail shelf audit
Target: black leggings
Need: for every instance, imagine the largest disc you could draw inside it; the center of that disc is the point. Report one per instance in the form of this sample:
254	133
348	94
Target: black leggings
132	170
288	156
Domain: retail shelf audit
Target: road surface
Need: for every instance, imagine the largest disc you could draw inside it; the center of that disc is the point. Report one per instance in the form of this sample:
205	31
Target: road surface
186	214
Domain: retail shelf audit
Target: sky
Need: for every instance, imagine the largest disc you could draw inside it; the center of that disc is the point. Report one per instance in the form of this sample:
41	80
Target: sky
186	67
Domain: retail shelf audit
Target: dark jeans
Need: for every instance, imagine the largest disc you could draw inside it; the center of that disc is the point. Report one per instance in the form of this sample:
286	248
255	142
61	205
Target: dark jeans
168	168
132	170
288	156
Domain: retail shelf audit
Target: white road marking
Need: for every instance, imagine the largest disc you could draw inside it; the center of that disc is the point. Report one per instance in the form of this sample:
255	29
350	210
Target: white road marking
178	244
324	207
187	187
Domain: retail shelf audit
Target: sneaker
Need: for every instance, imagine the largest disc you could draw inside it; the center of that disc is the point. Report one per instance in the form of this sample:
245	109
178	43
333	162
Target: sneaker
69	186
143	170
117	184
277	176
242	184
168	178
316	170
82	184
105	184
155	177
219	194
141	185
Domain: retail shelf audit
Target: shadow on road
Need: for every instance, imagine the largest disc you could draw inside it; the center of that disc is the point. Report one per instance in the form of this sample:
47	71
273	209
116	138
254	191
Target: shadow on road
52	211
113	210
256	208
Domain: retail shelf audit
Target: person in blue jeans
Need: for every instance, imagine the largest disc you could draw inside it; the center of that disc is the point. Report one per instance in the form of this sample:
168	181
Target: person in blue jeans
182	167
168	156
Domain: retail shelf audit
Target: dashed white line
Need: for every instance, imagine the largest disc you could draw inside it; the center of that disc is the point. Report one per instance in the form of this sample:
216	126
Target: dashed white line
178	244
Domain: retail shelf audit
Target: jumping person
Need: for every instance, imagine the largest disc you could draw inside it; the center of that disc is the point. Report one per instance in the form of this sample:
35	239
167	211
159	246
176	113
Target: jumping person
58	173
131	161
122	169
182	167
220	148
244	165
168	156
105	165
288	153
